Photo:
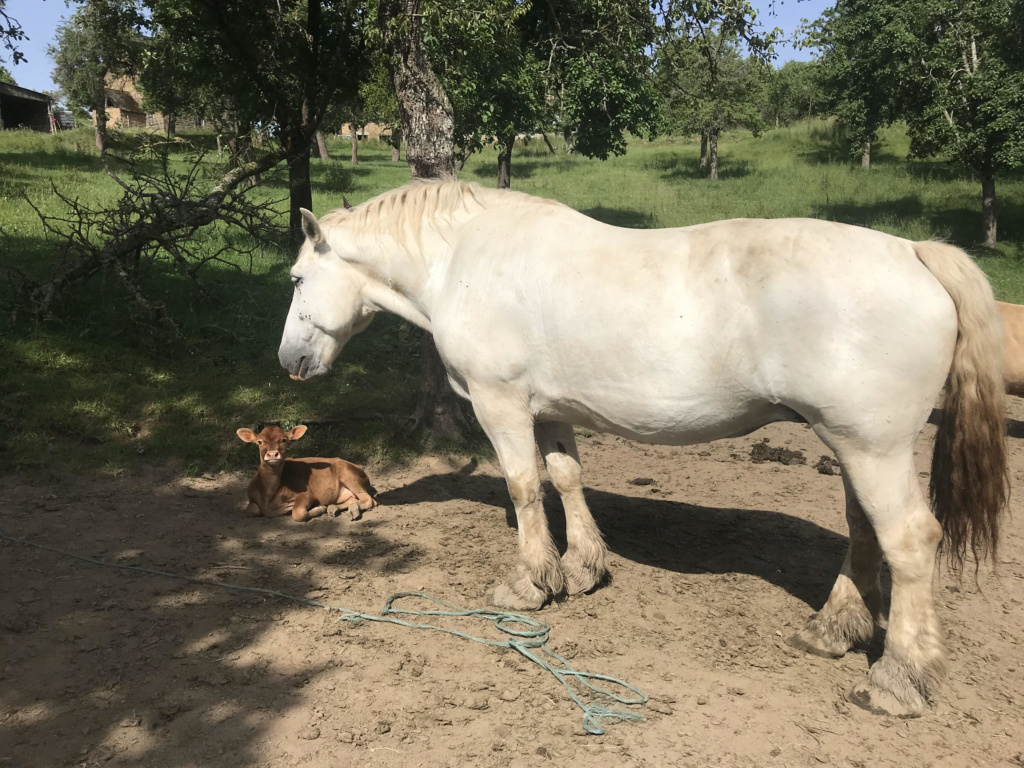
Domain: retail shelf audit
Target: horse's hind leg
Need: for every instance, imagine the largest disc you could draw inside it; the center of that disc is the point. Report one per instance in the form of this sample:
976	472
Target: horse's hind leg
538	575
903	681
585	560
849	616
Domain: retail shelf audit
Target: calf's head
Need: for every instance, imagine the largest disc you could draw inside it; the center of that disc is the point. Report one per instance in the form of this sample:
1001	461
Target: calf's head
272	442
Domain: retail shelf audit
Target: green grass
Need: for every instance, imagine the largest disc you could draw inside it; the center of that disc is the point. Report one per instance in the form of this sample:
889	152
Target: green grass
90	391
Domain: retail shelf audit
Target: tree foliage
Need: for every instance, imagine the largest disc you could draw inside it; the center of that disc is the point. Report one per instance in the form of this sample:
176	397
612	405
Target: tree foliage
968	103
952	68
11	33
793	92
279	63
5	76
597	69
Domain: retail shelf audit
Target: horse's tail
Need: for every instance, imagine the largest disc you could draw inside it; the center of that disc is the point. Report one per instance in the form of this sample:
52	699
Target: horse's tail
969	480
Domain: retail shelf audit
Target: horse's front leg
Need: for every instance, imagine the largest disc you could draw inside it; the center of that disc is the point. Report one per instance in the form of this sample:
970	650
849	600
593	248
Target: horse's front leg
538	575
585	560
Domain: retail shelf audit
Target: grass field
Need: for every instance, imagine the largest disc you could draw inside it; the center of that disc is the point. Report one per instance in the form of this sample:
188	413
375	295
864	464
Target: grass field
90	391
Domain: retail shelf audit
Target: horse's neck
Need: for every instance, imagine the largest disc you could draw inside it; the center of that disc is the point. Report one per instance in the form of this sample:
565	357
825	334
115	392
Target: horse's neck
388	299
401	282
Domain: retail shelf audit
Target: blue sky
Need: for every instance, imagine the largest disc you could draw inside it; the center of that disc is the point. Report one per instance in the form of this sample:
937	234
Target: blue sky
40	18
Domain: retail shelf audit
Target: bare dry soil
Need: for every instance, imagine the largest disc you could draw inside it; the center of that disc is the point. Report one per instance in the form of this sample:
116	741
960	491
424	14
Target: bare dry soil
716	559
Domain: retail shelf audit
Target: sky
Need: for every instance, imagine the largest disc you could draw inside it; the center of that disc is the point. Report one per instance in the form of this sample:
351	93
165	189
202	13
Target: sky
40	18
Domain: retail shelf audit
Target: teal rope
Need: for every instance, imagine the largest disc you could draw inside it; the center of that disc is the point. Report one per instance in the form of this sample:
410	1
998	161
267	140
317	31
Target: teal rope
530	641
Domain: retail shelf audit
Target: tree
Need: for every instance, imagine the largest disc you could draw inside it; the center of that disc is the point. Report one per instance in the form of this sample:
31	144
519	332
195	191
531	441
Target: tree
967	102
496	86
428	122
278	63
5	76
598	69
101	38
708	87
862	66
793	92
428	125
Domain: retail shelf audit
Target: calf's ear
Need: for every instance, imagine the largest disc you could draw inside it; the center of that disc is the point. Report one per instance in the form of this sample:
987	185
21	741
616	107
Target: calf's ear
247	435
297	432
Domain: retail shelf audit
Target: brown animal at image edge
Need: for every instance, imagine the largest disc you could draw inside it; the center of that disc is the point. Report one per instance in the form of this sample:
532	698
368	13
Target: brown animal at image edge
1013	346
305	487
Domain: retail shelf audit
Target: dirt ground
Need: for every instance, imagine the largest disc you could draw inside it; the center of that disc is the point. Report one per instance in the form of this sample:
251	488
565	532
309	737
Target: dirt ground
715	558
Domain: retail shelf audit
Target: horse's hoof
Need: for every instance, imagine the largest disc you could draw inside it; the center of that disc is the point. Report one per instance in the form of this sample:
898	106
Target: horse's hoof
809	641
504	596
315	512
879	701
580	577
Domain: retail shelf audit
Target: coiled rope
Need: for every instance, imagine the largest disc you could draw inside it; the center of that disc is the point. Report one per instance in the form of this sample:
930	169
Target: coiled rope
526	635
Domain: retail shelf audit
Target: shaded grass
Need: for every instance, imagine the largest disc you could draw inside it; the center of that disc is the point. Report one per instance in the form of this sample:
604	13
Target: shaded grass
92	391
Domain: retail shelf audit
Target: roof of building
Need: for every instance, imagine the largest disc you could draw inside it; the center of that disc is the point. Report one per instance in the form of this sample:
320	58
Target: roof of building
8	89
122	100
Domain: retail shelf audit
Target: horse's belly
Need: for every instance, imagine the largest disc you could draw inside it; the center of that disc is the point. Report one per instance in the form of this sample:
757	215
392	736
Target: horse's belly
670	424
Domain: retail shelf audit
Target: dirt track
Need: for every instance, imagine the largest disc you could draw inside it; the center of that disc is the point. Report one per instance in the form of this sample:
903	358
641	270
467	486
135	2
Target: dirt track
714	563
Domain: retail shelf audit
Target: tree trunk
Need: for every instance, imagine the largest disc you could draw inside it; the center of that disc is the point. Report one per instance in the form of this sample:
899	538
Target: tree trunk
428	122
396	154
101	130
567	139
438	408
703	151
428	126
713	155
220	147
865	155
355	144
172	126
547	141
321	144
505	162
988	209
300	191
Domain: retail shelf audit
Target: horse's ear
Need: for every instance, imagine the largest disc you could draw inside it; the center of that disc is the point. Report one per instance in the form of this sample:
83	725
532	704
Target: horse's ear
311	227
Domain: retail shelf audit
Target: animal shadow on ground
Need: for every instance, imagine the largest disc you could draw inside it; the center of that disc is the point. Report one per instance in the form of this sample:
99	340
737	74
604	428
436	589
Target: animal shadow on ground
673	535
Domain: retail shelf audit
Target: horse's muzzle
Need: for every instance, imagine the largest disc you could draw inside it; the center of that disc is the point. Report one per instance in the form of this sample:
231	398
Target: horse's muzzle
304	368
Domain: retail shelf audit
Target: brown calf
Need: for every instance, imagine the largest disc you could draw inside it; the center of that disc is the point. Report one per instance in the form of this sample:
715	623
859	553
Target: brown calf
1013	346
304	487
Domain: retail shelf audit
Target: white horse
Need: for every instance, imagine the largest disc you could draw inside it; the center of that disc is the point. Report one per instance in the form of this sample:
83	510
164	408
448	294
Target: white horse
545	318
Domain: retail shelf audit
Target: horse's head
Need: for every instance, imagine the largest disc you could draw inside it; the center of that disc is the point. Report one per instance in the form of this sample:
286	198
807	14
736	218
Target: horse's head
327	309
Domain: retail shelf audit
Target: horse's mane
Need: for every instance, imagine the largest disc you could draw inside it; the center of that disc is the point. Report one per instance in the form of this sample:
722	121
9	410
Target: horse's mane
442	203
